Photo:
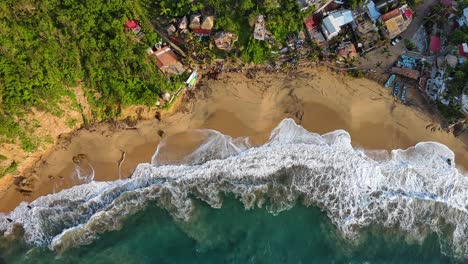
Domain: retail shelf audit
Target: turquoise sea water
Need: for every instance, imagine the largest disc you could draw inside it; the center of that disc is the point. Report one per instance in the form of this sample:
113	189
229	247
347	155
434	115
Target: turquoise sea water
235	235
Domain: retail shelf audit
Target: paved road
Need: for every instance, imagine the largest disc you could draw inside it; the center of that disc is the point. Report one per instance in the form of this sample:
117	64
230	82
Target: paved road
420	13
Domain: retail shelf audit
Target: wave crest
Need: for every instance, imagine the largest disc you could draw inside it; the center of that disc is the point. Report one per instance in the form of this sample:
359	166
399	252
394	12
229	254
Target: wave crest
416	190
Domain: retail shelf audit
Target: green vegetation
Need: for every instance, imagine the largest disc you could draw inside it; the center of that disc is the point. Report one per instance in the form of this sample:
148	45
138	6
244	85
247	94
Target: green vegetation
282	18
410	45
49	45
9	169
452	112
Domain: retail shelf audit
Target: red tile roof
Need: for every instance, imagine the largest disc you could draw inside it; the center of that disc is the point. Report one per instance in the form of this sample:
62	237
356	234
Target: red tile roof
390	15
165	57
131	24
311	22
435	44
408	13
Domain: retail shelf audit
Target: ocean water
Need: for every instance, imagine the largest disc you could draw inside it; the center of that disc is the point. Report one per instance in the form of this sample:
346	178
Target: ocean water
233	235
299	198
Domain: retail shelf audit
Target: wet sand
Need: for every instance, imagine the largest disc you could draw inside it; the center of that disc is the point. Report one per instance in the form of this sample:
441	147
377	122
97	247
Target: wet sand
237	106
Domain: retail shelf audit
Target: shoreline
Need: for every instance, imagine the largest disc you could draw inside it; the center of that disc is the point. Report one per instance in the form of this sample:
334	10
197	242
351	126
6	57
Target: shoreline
238	105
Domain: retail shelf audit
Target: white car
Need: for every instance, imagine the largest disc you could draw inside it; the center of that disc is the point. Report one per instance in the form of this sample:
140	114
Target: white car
396	40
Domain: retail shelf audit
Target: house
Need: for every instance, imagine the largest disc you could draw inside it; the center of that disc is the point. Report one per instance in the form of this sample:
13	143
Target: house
183	23
347	51
372	11
396	21
312	26
435	87
195	21
259	28
133	26
331	25
224	40
201	26
434	46
463	49
166	60
463	20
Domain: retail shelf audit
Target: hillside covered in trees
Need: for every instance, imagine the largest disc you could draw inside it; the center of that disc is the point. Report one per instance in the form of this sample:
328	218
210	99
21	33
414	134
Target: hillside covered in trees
50	46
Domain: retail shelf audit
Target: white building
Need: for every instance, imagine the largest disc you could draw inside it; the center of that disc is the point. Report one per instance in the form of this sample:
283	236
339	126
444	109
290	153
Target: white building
463	20
331	25
464	100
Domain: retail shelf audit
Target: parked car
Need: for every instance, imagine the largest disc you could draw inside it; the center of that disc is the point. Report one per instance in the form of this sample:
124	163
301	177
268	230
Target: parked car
396	40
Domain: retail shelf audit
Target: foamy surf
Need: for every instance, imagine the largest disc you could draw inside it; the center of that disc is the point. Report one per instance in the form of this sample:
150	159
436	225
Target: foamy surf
416	190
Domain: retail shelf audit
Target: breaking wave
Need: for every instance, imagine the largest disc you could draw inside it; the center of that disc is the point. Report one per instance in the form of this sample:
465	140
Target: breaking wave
417	190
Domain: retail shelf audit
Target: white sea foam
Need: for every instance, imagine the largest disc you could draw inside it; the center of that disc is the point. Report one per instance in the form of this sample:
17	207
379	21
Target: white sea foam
416	190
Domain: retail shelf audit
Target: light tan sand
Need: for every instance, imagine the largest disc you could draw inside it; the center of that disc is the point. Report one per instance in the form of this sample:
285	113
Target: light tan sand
237	106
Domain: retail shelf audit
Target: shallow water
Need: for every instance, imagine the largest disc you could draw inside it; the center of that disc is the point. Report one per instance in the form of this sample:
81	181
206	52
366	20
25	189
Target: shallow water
234	235
406	206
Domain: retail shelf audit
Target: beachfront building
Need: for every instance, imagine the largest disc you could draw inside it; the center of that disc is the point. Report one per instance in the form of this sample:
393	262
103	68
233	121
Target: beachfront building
331	25
259	28
396	21
224	40
312	26
166	60
436	86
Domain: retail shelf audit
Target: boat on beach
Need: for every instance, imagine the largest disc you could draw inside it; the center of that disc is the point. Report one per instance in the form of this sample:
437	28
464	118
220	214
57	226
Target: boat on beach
396	90
390	80
404	94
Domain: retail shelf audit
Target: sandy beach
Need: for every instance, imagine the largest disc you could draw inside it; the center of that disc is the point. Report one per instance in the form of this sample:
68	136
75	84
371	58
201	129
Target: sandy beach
238	106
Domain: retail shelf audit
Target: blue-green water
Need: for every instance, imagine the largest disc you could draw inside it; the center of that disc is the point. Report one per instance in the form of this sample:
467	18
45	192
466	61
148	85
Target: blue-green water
235	235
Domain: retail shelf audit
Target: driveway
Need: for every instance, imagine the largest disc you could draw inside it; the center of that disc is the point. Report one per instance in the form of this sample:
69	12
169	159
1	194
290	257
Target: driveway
418	18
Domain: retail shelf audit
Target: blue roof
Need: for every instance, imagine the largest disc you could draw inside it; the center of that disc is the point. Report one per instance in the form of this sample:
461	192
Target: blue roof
373	12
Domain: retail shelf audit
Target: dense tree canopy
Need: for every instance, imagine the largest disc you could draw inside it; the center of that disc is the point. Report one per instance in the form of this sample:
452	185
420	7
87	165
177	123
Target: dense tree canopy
50	44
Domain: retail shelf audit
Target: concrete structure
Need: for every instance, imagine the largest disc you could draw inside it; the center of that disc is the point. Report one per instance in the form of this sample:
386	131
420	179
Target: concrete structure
435	86
312	26
396	21
331	25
